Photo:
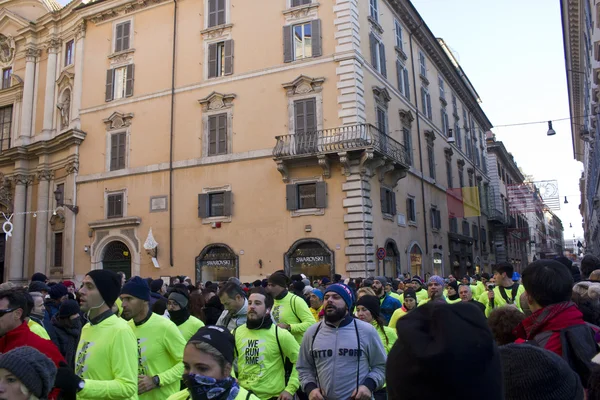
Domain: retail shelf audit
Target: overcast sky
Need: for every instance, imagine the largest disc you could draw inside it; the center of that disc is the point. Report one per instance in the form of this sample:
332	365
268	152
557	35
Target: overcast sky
512	51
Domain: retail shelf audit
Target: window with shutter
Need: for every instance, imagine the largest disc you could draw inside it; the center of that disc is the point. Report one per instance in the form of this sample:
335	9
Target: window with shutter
216	13
449	173
410	210
431	157
406	84
58	249
466	229
424	100
429	111
382	120
217	134
321	195
121	80
408	144
442	87
220	59
374	9
422	64
122	36
298	3
307	195
400	76
305	116
118	151
382	60
216	204
374	44
114	205
398	32
388	201
303	41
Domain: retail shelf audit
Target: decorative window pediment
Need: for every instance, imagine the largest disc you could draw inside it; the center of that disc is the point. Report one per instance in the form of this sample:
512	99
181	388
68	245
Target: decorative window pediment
470	171
65	80
381	95
303	85
448	151
406	117
460	163
217	101
429	136
118	120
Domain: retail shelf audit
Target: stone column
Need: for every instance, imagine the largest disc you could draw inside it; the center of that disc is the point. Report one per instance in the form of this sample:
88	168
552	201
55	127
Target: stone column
358	218
53	49
17	240
78	80
31	55
41	229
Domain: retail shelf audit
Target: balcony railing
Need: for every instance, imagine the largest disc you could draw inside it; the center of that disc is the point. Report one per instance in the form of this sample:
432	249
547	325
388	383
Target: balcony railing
341	139
496	215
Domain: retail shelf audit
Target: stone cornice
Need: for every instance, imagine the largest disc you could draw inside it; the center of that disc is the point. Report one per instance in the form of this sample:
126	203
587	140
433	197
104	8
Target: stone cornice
100	12
72	137
115	222
427	40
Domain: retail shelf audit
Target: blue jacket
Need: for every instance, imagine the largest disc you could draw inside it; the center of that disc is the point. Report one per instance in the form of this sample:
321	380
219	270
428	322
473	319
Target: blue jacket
388	306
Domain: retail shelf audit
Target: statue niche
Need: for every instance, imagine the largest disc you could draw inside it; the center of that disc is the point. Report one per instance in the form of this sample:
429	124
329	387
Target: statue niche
64	106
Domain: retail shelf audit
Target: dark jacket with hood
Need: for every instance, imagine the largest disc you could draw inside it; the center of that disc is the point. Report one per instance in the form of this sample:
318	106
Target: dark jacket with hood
67	337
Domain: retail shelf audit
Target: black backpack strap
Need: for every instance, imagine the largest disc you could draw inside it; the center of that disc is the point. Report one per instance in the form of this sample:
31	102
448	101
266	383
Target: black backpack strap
279	345
248	396
293	305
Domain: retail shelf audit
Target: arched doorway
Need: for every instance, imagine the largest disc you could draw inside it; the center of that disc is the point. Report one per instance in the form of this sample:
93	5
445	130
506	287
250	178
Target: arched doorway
117	257
310	257
216	263
391	263
416	260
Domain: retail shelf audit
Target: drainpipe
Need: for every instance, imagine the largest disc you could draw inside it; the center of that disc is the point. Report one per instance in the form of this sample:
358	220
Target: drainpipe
171	204
412	60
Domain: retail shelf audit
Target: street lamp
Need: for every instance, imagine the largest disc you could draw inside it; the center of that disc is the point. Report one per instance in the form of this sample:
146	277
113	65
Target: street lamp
58	196
551	132
566	201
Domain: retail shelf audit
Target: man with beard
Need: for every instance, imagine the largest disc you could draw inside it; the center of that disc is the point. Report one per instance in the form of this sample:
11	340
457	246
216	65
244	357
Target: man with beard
105	364
262	348
435	290
341	357
160	345
234	300
177	305
290	312
417	285
505	292
388	303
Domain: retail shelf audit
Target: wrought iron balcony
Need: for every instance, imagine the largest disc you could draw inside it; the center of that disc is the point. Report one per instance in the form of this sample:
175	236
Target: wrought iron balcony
496	216
375	147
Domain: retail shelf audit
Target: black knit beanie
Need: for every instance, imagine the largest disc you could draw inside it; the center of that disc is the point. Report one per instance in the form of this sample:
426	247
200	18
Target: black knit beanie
68	308
108	284
539	373
217	337
58	291
448	342
371	303
279	279
32	368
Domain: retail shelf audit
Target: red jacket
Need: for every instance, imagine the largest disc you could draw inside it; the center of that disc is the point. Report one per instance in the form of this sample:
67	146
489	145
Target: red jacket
22	336
552	318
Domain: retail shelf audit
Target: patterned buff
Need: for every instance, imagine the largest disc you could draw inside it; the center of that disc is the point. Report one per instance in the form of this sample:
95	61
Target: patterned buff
205	388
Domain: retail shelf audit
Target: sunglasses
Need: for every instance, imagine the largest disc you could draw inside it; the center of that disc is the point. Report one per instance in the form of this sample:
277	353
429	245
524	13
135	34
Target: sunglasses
6	311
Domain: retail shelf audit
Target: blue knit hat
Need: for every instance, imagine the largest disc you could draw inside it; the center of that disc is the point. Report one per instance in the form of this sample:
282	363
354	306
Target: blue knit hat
137	287
343	291
318	293
437	279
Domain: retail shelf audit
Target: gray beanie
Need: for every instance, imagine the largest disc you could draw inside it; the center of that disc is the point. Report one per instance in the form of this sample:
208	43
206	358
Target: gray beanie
32	368
540	373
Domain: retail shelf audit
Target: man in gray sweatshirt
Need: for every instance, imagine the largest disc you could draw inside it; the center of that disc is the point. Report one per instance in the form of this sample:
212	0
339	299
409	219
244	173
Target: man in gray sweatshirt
341	357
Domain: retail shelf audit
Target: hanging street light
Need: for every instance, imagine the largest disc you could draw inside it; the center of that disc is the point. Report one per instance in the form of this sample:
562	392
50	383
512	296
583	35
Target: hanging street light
551	132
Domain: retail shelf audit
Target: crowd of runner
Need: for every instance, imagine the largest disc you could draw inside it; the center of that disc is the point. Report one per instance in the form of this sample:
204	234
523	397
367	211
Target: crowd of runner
501	336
